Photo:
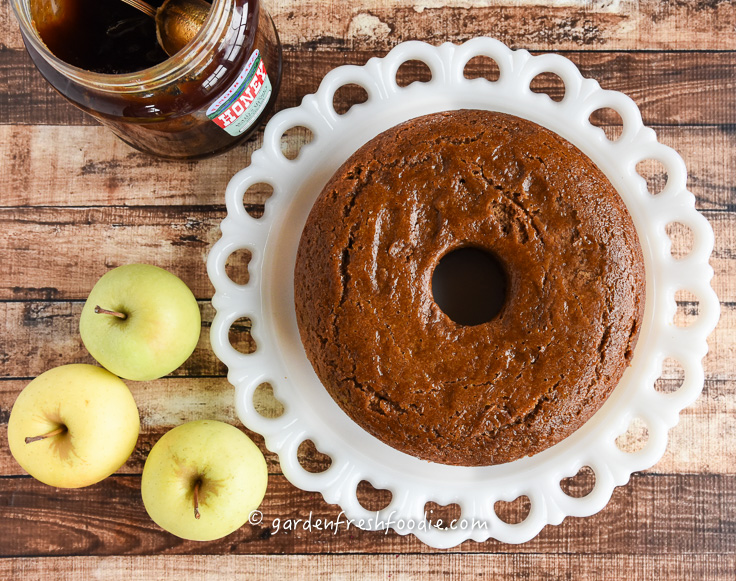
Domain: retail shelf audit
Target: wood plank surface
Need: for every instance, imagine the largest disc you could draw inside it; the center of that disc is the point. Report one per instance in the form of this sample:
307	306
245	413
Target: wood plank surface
597	24
177	238
88	166
669	88
76	202
699	444
377	567
379	25
46	334
682	514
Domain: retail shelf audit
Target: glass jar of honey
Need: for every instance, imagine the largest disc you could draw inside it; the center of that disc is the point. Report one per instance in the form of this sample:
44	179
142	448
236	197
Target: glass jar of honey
204	99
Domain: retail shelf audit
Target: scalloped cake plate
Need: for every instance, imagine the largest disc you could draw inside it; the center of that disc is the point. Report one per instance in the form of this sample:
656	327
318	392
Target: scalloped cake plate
311	414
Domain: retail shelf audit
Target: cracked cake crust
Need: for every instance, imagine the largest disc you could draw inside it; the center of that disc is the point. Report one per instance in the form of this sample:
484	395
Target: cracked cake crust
394	362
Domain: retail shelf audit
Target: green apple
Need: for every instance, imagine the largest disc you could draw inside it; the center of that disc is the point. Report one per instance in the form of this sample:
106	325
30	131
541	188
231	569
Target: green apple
202	480
141	322
73	426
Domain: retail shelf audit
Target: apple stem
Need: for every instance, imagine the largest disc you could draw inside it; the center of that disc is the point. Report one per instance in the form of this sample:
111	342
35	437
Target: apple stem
100	311
55	432
196	498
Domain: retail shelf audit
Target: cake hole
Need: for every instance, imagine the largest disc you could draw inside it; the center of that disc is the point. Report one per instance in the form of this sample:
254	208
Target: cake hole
371	498
682	237
580	485
469	286
549	84
255	197
311	459
413	71
655	174
442	517
482	67
635	438
294	139
266	403
687	308
514	512
240	338
236	266
347	96
609	120
672	378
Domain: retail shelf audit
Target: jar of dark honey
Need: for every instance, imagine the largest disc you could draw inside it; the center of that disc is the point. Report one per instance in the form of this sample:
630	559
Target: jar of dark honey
204	99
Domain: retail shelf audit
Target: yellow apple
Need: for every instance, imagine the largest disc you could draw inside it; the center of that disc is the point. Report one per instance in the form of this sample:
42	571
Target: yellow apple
73	426
202	480
140	322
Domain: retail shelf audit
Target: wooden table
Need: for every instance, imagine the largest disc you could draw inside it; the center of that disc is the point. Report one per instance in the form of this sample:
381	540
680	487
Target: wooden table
76	202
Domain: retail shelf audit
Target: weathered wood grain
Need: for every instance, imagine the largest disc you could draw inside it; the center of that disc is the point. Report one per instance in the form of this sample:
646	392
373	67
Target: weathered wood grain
94	239
699	444
600	24
177	238
89	166
45	334
670	88
681	514
73	166
377	567
162	404
647	24
76	202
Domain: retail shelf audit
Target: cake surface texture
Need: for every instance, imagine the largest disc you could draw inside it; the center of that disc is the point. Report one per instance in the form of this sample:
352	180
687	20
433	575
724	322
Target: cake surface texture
481	394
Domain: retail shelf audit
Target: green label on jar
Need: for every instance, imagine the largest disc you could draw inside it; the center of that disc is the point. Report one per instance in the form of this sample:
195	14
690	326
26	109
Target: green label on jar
239	107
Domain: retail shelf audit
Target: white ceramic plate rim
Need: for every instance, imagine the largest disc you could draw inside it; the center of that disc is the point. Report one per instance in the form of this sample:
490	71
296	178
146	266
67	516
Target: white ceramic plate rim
311	414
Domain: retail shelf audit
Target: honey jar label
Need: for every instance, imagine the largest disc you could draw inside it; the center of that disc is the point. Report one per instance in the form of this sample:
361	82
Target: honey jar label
239	107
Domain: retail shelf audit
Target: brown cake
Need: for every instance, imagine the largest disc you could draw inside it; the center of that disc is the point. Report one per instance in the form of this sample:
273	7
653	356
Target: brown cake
453	392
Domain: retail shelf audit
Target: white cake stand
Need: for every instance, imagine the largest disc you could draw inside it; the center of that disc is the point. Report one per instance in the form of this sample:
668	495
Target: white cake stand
310	413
